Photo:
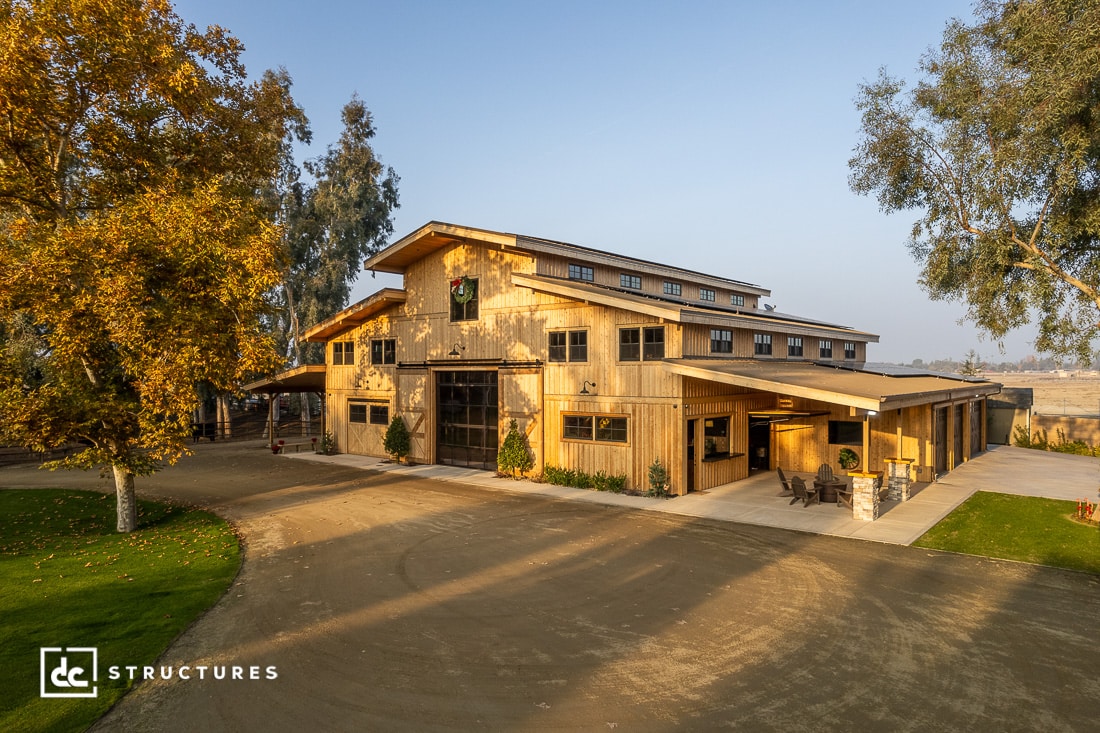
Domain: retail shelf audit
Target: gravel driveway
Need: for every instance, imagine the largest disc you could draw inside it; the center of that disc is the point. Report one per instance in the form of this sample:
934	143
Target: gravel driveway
395	604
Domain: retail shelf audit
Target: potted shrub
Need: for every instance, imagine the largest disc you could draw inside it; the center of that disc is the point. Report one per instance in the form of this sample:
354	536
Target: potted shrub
849	459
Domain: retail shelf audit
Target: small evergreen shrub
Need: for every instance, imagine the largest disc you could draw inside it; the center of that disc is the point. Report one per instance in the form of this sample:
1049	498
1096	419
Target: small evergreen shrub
328	444
397	441
658	479
514	455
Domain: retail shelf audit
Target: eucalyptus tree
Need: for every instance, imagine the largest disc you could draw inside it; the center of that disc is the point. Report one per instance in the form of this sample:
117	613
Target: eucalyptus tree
997	148
334	220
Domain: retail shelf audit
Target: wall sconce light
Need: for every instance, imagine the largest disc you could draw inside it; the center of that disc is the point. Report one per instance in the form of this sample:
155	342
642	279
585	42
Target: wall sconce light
455	349
584	388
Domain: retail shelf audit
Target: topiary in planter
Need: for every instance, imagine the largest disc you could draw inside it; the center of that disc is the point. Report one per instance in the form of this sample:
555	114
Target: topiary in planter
514	455
397	441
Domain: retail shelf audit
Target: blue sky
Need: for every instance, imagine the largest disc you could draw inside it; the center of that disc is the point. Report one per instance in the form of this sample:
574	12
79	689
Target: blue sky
708	135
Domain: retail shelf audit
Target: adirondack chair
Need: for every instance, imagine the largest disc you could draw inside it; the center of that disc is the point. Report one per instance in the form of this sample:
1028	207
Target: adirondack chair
787	490
844	497
825	473
801	491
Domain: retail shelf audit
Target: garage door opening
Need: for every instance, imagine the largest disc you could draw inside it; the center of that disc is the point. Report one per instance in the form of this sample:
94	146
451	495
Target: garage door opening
468	432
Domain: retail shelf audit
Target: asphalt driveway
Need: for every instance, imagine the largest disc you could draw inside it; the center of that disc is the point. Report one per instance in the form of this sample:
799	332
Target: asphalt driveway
389	603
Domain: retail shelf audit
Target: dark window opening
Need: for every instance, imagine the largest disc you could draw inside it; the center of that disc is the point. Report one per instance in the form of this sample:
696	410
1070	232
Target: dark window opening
654	343
630	344
716	437
556	350
379	414
383	351
721	341
578	346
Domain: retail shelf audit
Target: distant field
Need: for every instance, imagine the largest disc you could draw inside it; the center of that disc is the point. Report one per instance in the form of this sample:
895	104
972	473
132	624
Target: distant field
1055	395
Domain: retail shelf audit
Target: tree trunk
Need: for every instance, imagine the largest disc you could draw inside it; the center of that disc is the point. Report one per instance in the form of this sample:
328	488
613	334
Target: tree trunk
304	402
126	501
225	423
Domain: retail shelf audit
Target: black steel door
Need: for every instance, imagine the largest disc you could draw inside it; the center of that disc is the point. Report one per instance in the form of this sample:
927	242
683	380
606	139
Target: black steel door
467	425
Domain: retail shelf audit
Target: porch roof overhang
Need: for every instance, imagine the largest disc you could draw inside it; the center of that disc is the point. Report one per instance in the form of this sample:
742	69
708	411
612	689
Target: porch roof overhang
855	388
305	378
354	315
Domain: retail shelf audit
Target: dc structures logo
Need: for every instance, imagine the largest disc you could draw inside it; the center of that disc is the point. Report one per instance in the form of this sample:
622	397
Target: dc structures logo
69	671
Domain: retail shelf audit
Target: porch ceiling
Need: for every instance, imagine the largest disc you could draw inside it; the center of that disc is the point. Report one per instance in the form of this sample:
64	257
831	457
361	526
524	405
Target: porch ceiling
863	390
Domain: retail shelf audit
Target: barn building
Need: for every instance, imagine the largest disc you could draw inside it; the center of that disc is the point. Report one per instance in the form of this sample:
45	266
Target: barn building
609	362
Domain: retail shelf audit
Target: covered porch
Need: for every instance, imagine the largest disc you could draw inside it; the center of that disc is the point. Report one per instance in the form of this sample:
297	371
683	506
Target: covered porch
307	378
799	415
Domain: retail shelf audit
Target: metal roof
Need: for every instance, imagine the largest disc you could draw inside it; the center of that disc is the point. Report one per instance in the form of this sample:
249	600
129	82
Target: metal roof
435	235
354	315
305	378
679	311
851	386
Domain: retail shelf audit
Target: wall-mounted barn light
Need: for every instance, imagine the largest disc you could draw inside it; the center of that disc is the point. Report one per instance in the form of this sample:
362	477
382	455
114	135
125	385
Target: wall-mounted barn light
455	349
584	389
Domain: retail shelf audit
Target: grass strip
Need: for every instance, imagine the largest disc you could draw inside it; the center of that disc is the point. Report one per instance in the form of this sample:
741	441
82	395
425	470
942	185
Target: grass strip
70	580
1025	528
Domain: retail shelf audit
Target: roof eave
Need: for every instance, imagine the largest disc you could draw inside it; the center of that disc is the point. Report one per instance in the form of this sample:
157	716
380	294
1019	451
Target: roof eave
353	315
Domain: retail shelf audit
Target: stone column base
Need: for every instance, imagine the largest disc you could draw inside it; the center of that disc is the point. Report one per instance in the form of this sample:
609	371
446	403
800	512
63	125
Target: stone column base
865	494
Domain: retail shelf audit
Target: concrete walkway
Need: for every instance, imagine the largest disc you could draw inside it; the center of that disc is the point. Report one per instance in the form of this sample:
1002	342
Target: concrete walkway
756	500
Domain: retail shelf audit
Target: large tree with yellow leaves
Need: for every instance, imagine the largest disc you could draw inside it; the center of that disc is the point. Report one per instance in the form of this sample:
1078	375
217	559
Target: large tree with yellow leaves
137	250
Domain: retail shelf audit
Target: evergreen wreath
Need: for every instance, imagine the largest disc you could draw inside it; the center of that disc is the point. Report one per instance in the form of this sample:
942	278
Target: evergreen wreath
462	290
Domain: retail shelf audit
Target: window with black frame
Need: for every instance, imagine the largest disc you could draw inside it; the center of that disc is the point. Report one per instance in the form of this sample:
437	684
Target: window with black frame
567	346
653	346
578	346
636	344
556	346
383	351
762	344
630	344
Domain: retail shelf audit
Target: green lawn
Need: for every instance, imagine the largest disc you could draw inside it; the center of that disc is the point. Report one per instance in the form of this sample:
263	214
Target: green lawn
1022	528
70	580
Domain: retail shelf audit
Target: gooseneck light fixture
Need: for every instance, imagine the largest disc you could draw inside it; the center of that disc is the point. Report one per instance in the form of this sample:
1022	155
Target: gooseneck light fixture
455	349
584	388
